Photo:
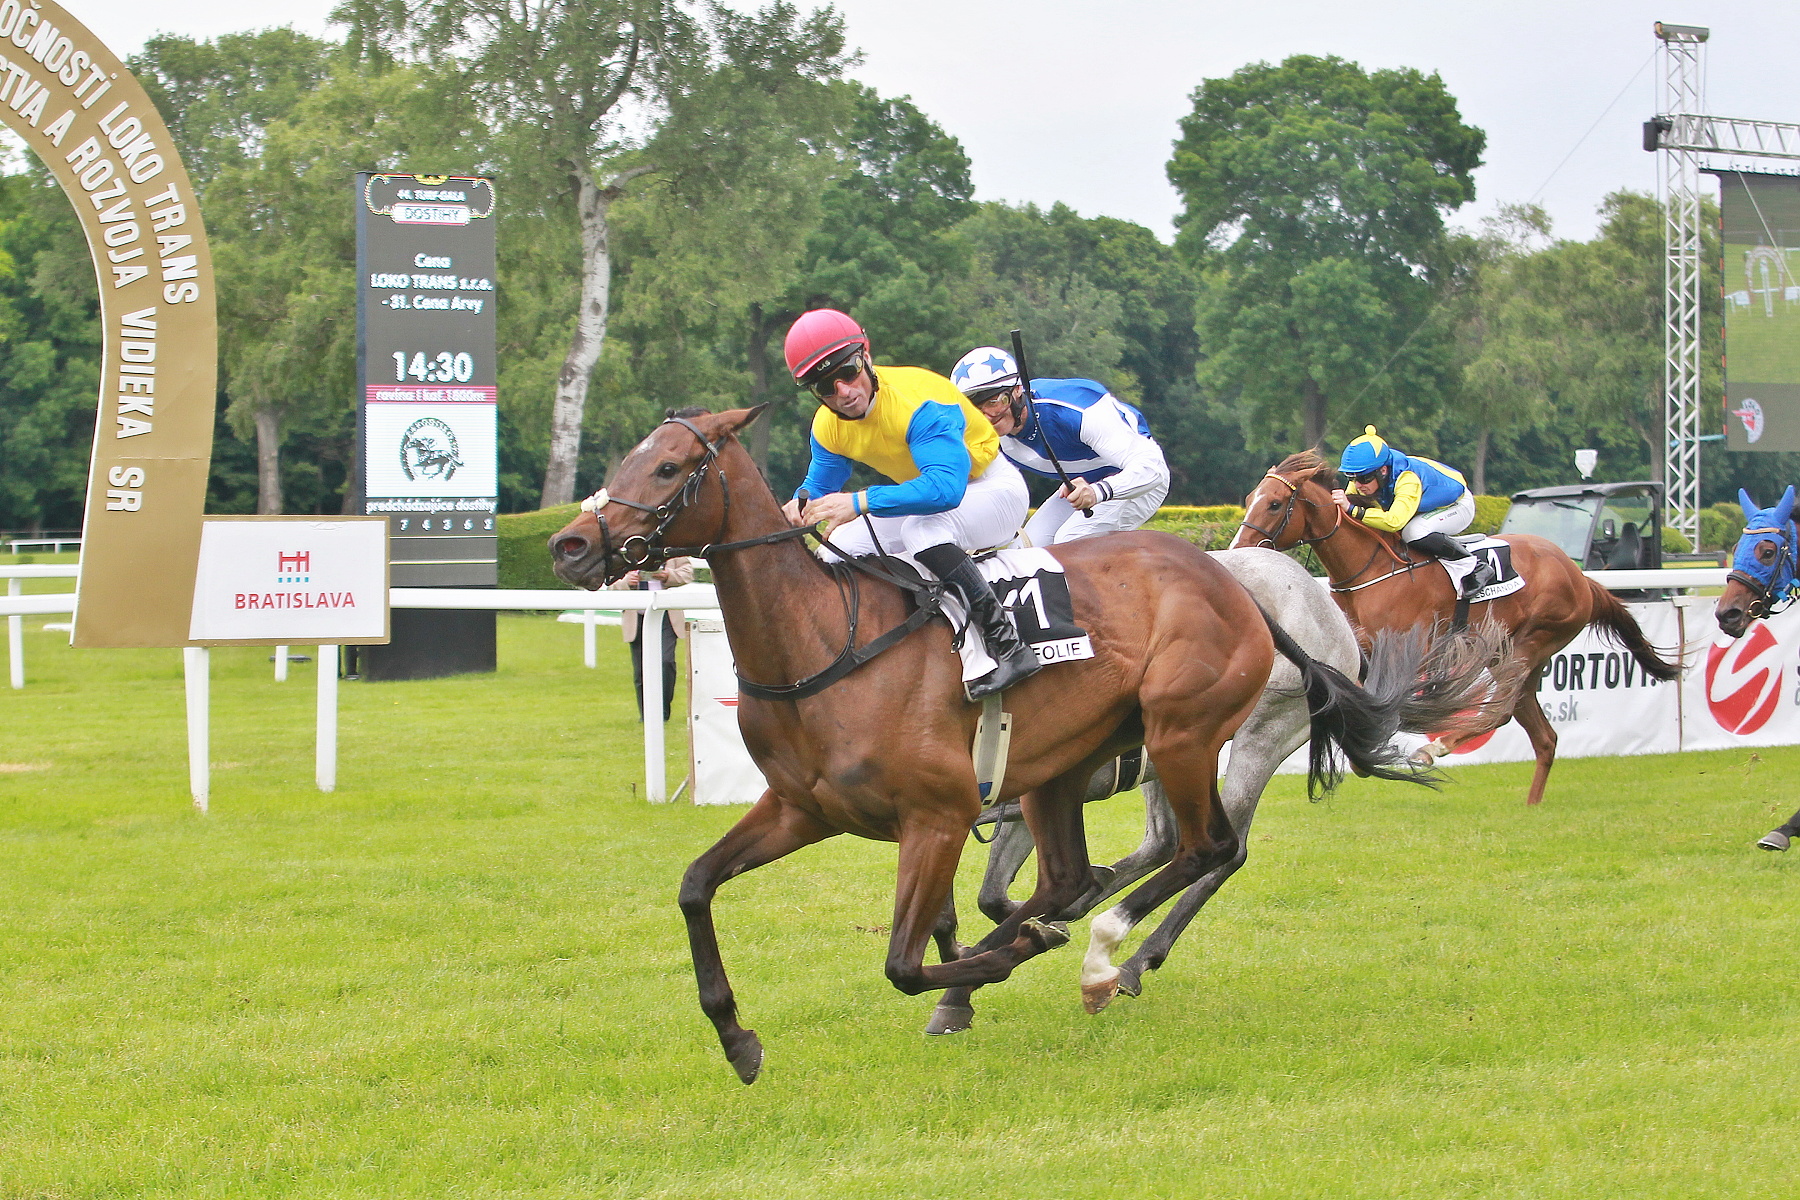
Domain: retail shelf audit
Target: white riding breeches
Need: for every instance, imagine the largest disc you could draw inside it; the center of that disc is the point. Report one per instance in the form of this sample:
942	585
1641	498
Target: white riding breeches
1057	521
991	511
1452	518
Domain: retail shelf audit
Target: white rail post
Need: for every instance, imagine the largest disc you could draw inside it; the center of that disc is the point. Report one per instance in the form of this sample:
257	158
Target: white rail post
325	765
281	664
587	638
197	661
650	639
15	639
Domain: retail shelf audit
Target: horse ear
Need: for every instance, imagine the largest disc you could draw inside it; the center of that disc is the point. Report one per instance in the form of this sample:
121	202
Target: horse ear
1748	505
741	419
1785	510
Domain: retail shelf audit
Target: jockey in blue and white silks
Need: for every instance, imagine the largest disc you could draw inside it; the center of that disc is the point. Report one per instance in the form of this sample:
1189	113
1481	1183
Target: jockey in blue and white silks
1419	499
1115	467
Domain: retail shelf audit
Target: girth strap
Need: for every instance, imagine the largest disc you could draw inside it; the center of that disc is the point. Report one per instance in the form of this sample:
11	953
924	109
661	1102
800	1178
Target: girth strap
848	659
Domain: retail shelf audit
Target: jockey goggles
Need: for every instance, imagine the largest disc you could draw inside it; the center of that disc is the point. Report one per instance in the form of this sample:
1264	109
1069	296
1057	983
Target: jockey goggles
838	368
1368	476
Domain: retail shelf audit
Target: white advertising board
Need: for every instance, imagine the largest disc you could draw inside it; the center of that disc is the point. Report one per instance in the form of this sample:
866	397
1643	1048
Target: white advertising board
281	580
722	767
431	450
1740	692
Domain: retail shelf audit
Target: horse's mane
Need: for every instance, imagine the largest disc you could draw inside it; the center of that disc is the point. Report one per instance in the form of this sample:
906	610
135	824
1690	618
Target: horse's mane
1309	463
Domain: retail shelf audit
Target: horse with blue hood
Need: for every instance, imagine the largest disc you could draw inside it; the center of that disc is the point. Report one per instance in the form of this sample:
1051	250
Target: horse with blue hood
1762	579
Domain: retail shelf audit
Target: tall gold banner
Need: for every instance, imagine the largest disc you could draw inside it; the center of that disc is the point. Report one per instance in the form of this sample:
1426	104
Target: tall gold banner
91	123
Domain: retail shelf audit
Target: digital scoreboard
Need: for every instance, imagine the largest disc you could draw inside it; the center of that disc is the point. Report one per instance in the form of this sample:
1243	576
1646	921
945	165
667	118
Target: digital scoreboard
426	334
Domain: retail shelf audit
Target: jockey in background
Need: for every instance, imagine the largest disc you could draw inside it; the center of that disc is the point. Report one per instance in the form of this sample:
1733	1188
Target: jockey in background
952	492
1422	501
1115	467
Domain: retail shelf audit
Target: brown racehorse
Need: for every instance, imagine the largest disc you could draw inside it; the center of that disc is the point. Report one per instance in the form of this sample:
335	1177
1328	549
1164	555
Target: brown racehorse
1181	654
1381	585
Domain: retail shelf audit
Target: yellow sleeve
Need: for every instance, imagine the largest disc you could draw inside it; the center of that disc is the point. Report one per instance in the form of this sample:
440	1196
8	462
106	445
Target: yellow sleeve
1407	491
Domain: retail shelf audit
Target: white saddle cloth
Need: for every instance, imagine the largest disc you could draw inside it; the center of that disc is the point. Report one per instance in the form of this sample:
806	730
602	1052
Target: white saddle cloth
1496	552
1005	565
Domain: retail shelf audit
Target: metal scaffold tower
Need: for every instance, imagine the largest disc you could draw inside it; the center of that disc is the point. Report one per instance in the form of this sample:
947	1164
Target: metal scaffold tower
1683	133
1681	100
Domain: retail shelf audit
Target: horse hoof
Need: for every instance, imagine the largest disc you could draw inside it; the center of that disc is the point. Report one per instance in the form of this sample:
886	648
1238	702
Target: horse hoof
1421	758
1129	982
1096	996
1102	876
746	1057
950	1018
1047	934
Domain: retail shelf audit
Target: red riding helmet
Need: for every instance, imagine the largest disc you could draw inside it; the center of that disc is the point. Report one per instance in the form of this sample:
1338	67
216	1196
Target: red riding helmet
818	340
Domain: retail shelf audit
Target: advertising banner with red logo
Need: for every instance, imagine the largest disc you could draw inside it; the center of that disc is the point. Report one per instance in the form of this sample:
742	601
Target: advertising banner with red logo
1740	692
722	768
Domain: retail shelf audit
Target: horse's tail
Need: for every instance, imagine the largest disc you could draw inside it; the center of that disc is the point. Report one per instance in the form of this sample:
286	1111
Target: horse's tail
1613	617
1453	684
1348	722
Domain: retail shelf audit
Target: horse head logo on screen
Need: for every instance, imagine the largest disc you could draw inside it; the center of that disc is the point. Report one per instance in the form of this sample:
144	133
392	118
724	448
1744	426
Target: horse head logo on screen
428	451
1743	680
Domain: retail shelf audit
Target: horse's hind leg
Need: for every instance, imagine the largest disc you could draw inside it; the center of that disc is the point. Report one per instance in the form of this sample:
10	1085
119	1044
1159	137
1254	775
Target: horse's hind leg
1006	854
1207	841
1543	742
1277	728
767	832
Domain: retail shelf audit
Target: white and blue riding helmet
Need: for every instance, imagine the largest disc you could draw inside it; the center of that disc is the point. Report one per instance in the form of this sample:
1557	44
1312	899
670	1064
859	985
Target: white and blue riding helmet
984	371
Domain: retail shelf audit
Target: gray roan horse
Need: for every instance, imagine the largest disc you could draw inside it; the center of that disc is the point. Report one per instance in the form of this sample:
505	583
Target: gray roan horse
1472	682
1181	655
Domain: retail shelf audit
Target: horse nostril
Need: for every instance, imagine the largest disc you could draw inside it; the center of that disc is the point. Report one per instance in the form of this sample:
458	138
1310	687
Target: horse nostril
571	547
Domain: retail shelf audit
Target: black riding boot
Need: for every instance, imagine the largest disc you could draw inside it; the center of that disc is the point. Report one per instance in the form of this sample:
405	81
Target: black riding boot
1016	660
1442	545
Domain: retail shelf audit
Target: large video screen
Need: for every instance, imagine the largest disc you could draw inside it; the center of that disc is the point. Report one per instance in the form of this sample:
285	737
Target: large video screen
1761	218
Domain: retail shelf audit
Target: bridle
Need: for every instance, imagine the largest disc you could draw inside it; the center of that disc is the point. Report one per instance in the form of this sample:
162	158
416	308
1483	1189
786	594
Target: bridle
1771	597
1271	536
646	550
1295	499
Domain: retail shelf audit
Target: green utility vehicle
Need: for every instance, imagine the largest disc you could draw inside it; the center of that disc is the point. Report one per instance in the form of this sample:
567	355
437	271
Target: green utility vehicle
1602	526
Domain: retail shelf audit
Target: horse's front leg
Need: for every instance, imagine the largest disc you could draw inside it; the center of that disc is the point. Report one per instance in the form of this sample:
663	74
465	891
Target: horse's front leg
928	857
767	832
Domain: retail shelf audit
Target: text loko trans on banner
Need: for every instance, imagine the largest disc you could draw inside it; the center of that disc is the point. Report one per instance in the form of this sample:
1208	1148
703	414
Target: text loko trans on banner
86	117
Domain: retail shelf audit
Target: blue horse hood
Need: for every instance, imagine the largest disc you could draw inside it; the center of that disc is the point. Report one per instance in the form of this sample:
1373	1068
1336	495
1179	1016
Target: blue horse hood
1765	524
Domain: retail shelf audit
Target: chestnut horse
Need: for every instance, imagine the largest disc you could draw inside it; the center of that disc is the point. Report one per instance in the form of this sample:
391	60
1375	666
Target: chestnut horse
1381	585
1181	654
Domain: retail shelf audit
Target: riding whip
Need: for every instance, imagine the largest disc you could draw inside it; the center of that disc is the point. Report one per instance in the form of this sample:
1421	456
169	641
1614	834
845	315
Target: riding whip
1018	344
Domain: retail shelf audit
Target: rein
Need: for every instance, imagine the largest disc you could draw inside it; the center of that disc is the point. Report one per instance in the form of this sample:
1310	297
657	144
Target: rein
649	551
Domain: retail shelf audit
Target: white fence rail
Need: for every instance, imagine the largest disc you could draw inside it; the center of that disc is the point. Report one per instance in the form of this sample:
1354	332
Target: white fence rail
694	597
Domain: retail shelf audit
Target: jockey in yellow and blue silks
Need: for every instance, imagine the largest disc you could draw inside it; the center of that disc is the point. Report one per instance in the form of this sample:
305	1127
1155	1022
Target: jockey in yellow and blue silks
1421	500
953	491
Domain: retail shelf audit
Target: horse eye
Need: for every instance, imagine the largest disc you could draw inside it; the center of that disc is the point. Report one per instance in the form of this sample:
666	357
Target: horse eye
1765	550
667	470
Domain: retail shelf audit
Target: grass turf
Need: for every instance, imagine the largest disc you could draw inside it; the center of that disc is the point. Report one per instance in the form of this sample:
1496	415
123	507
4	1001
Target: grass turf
463	974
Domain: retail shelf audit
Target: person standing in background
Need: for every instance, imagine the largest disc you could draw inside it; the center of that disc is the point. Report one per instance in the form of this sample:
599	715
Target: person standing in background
674	573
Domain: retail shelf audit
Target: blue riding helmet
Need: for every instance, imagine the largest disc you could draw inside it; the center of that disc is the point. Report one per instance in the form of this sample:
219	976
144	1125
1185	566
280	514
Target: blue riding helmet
1367	453
1774	581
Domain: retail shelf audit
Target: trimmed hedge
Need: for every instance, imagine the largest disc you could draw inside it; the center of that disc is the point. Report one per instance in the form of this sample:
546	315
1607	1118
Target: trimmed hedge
525	562
524	546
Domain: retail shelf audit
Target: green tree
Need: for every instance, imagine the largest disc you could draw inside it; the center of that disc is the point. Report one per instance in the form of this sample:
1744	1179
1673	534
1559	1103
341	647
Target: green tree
1314	197
49	355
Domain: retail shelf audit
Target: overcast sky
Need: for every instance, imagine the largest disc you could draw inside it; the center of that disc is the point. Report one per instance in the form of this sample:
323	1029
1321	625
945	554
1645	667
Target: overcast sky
1077	100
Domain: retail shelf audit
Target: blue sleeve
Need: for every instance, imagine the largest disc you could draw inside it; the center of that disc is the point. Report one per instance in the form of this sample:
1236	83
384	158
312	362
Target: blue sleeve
935	438
827	474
